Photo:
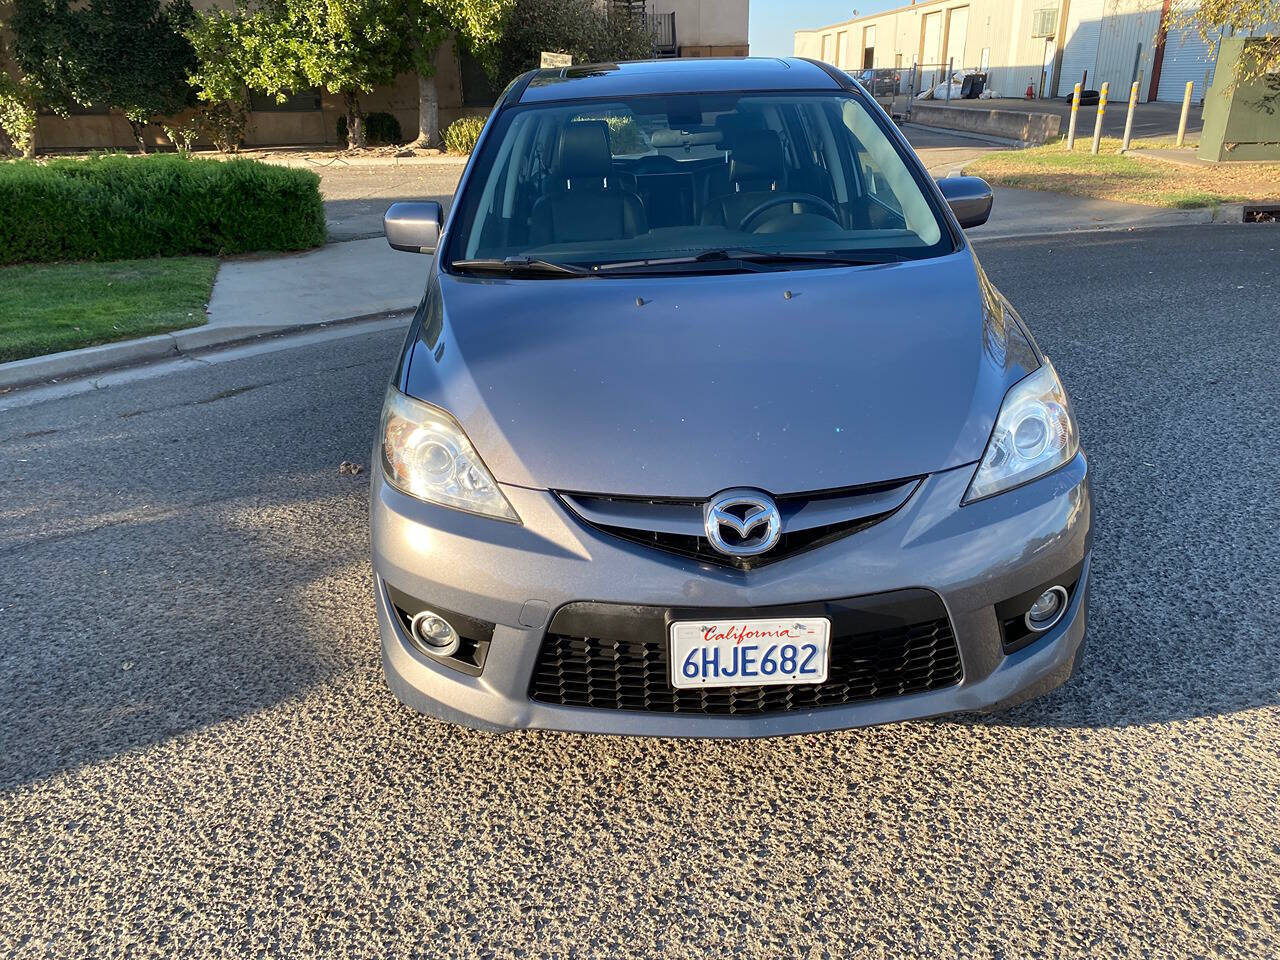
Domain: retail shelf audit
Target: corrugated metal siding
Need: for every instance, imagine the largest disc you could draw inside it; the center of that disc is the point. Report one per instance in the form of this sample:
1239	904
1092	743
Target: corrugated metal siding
1080	54
1126	25
1186	57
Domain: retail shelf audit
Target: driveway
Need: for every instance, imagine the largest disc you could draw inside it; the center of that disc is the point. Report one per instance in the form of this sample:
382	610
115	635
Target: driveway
199	757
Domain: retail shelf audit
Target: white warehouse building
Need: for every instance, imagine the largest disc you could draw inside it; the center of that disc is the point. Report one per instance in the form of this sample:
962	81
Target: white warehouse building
1049	45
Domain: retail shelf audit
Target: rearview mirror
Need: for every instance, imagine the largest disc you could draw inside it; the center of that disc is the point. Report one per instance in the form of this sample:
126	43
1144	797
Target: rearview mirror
970	199
413	227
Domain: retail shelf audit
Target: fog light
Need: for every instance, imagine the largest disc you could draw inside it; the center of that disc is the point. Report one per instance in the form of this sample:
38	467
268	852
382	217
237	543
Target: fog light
1047	610
435	633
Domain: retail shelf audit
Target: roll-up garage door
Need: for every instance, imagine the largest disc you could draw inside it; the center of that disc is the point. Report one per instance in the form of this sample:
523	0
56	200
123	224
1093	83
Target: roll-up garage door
957	28
1080	52
1186	57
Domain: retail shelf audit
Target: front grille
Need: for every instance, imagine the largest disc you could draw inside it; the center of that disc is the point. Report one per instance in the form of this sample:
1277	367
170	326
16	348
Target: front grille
809	520
615	657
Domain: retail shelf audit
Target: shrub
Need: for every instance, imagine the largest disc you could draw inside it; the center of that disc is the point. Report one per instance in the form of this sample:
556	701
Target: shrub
224	123
116	207
462	134
379	129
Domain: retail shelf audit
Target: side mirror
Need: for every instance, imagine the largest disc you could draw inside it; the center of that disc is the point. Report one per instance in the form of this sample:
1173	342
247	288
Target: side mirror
969	198
413	227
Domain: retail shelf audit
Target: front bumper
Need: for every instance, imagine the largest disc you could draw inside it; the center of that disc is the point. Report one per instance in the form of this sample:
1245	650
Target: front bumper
517	576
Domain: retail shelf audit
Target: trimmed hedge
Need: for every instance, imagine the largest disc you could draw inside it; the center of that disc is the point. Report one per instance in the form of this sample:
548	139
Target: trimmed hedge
462	134
117	207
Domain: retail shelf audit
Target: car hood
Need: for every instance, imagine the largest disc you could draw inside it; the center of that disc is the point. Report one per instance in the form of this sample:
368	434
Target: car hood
786	381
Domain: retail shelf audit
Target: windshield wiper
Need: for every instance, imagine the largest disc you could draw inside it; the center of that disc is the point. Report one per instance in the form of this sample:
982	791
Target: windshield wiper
750	259
521	265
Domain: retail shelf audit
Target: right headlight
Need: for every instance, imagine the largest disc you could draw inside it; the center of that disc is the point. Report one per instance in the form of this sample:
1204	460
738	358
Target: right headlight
1034	434
426	454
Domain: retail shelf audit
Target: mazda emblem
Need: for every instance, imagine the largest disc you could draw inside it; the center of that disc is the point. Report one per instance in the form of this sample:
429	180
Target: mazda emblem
742	523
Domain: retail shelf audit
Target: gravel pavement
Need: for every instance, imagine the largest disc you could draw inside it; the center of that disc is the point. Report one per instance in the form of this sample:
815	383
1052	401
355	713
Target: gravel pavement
199	757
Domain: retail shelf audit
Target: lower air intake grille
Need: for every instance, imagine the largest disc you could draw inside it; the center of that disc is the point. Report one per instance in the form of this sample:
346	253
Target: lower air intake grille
615	657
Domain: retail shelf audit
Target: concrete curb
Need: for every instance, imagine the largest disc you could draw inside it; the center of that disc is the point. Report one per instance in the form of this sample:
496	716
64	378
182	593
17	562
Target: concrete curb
325	161
967	135
109	356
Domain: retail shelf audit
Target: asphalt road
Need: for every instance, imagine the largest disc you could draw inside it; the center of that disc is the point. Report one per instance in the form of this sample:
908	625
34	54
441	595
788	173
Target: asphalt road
198	755
357	195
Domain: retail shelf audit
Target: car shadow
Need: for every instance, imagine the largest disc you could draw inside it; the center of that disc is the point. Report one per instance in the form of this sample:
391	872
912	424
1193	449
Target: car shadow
180	553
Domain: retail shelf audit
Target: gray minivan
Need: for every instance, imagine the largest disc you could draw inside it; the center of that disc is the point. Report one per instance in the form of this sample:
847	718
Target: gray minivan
711	424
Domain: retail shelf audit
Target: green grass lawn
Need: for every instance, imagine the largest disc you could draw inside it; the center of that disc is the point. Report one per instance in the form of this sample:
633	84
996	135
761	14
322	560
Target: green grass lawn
45	308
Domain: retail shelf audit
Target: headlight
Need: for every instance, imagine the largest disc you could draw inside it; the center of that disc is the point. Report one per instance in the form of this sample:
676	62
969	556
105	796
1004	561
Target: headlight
1034	435
426	454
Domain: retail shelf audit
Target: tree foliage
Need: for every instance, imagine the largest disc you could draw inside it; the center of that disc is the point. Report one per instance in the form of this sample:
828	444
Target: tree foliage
223	53
474	24
127	54
1210	17
18	113
18	100
345	47
580	28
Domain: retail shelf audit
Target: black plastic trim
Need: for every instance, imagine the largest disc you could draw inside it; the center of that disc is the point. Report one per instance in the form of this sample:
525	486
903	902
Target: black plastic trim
476	635
518	86
835	73
617	656
1012	612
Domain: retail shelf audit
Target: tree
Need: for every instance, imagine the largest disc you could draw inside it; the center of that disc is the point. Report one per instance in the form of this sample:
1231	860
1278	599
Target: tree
222	51
346	47
18	114
1210	17
130	55
428	24
18	99
580	28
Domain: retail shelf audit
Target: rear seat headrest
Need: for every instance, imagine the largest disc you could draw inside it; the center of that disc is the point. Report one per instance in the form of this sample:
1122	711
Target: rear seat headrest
757	157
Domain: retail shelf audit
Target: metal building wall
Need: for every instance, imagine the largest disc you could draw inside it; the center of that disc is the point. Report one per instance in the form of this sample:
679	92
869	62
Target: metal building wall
1104	37
1126	41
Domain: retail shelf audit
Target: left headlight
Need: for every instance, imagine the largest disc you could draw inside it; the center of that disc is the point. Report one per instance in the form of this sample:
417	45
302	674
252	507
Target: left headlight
426	455
1034	434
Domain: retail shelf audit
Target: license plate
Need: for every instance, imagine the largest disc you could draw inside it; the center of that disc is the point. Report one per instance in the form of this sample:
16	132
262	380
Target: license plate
749	653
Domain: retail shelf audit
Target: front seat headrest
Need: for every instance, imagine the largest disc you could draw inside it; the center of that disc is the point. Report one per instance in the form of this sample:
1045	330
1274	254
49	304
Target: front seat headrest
757	158
583	152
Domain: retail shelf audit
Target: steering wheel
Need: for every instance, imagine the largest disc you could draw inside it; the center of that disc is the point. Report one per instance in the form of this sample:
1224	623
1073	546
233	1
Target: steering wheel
827	210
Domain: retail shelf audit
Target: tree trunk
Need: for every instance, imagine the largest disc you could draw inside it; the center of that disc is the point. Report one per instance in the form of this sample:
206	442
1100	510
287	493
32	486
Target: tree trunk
30	151
138	129
355	122
428	112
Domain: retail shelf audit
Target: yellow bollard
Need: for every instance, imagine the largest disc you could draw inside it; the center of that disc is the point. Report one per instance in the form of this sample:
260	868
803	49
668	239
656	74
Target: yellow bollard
1097	124
1186	109
1071	128
1128	120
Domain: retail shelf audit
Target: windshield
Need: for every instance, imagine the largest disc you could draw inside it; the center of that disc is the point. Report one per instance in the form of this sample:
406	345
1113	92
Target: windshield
617	184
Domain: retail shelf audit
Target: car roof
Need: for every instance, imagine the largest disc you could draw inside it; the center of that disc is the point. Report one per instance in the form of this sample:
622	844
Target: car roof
701	75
